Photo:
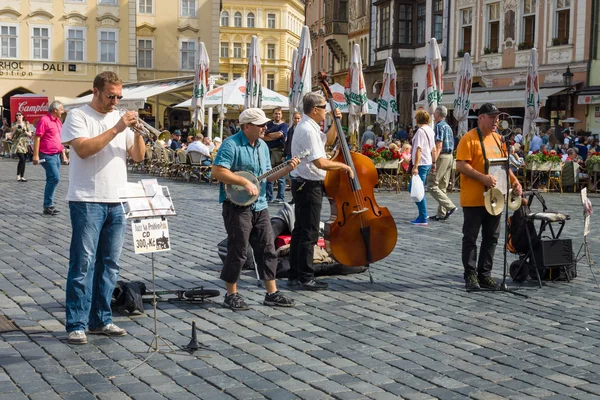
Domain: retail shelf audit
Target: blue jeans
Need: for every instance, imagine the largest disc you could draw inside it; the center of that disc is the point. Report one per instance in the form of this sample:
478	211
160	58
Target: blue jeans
422	205
96	243
52	167
280	189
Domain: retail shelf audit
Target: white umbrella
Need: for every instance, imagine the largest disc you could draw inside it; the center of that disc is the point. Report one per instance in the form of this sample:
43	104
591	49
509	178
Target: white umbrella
356	94
338	92
462	91
302	78
253	77
532	98
234	94
291	86
200	85
387	107
435	85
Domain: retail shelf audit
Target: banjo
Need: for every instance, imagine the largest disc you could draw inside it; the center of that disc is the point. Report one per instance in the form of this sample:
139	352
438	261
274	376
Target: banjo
238	195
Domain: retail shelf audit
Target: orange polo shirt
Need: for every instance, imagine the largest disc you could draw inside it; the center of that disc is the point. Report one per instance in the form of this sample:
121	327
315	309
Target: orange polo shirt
469	150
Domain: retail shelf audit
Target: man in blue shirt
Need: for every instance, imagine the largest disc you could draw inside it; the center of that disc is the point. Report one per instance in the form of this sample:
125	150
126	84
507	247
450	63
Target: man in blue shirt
275	136
245	151
175	142
444	141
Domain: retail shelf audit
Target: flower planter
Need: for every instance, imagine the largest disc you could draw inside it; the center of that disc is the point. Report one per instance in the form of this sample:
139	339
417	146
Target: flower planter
392	164
547	166
595	168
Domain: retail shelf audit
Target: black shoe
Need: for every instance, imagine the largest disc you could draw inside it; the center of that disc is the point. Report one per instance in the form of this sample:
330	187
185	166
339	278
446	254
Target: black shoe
435	218
487	282
293	283
314	285
50	211
471	282
235	302
449	213
278	299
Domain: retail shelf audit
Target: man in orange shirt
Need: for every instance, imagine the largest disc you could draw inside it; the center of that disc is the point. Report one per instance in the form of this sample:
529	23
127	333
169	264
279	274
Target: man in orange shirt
474	149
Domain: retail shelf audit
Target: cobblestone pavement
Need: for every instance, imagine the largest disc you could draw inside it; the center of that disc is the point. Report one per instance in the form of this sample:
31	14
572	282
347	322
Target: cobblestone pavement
414	333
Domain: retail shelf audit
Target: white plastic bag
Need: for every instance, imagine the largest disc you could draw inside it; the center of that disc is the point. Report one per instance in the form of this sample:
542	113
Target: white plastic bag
417	190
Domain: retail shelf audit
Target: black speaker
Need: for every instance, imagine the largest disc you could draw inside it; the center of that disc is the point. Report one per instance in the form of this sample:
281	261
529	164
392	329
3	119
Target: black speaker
553	252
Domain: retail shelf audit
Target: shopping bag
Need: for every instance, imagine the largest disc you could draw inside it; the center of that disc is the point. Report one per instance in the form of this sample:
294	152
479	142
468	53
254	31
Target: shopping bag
417	190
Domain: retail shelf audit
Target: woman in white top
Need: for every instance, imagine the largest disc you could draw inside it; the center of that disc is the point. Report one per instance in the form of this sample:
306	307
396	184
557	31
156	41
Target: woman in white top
424	156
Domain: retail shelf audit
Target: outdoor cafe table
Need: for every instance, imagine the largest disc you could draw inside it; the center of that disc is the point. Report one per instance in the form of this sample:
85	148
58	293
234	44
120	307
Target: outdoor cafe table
548	169
389	176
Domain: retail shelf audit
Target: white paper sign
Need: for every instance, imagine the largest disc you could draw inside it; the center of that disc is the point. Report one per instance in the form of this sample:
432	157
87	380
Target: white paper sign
150	235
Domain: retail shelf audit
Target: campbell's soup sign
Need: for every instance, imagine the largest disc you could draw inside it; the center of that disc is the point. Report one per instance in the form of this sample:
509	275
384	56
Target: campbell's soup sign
32	107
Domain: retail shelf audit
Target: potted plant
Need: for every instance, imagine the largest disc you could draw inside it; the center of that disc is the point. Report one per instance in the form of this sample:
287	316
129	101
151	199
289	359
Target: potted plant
382	157
460	53
487	50
592	163
543	161
556	41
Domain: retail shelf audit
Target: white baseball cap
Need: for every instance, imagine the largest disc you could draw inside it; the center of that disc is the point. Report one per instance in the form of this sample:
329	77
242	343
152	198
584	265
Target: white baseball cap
254	116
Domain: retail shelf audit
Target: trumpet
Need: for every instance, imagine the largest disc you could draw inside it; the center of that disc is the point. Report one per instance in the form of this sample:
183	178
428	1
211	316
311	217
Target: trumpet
144	129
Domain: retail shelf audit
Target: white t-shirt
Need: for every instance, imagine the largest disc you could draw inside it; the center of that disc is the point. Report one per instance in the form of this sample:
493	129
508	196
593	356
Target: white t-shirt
308	135
425	139
199	147
97	178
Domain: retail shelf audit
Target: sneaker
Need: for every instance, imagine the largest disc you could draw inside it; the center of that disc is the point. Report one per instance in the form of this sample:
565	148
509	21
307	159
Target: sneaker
235	302
109	330
278	299
449	213
278	201
77	337
313	285
419	222
50	211
471	282
487	282
22	180
435	218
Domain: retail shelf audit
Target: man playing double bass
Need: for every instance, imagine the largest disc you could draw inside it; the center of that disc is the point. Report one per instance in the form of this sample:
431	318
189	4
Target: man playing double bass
307	190
474	150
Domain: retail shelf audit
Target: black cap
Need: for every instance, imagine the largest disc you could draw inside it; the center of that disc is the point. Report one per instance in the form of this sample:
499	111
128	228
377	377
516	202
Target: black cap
488	108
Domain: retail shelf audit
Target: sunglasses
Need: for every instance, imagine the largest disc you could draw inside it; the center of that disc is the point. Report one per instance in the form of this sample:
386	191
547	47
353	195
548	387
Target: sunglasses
260	126
19	115
113	96
324	106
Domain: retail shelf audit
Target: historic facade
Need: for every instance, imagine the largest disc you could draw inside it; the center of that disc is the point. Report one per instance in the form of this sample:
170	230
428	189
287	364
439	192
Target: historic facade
277	24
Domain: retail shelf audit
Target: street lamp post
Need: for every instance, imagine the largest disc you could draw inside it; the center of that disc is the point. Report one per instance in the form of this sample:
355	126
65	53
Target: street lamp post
568	83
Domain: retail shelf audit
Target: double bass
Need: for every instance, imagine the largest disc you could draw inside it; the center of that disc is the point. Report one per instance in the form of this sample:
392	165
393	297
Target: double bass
359	231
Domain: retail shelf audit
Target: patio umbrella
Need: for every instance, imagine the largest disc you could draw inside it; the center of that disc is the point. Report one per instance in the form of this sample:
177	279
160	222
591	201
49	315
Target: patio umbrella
356	94
234	93
302	74
253	77
291	86
387	107
200	85
532	98
434	85
339	98
462	90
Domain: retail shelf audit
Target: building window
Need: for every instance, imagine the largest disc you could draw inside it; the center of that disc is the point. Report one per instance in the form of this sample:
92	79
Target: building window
188	8
421	8
225	76
8	41
145	6
247	50
75	44
384	33
466	19
237	50
271	51
563	16
271	21
250	20
493	35
224	49
41	43
405	17
112	2
528	34
323	55
224	18
362	8
236	76
237	20
438	20
188	55
271	81
145	53
108	46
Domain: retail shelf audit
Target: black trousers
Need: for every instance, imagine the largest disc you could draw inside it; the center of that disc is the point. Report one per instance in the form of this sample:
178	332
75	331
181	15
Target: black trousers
308	200
476	219
243	226
21	164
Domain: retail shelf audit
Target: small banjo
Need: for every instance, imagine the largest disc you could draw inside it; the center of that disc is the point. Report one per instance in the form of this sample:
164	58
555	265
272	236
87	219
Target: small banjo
238	195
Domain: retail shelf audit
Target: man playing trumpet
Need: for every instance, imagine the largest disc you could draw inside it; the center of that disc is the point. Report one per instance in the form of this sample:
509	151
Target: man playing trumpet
475	149
100	140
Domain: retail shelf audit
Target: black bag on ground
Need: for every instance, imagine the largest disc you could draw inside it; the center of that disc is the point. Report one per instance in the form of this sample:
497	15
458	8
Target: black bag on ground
517	235
128	296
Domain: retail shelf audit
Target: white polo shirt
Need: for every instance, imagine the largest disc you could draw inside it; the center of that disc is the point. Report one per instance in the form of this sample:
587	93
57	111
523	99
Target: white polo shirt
308	135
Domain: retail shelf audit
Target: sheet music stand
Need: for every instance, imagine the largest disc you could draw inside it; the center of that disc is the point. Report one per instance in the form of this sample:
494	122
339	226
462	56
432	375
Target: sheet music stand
149	201
587	212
